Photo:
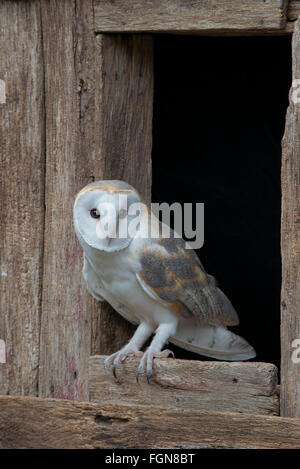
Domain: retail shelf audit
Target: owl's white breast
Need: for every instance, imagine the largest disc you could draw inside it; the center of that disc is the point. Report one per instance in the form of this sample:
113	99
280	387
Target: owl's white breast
112	276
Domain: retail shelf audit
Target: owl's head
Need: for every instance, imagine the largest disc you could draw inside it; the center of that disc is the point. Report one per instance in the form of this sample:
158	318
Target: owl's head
103	215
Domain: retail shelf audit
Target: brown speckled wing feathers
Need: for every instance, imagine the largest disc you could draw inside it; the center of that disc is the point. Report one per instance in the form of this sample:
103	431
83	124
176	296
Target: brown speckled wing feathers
177	277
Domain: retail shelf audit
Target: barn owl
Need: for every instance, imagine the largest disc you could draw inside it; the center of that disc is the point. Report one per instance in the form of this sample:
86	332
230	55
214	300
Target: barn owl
153	281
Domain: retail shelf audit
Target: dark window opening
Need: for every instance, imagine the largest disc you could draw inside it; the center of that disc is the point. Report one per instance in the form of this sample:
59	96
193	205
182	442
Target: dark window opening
219	116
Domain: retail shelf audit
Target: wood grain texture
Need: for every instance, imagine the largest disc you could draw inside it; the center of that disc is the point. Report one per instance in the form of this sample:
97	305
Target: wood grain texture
189	16
124	117
293	10
190	384
72	161
22	150
28	422
290	243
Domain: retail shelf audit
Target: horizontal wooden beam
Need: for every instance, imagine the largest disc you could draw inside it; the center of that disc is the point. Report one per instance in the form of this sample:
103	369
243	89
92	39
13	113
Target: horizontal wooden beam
169	16
31	422
190	384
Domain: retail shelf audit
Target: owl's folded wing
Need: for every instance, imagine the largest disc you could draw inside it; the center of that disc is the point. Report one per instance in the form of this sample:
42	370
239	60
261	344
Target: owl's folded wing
175	276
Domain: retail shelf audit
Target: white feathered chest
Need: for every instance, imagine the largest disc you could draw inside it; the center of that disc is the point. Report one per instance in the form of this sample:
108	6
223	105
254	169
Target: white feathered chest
114	277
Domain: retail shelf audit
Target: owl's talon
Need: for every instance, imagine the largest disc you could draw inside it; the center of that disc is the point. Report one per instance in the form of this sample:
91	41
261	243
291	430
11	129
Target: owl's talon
141	367
118	357
148	358
166	354
114	370
139	370
106	369
116	362
106	363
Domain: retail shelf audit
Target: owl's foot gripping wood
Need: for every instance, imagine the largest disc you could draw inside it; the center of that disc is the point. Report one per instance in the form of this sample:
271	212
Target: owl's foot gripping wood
119	357
142	333
147	360
163	332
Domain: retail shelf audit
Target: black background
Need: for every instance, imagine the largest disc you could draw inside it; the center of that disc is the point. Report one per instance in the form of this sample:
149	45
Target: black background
219	113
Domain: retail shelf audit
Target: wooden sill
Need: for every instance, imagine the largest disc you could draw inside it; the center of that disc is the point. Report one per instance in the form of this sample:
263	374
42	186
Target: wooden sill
245	387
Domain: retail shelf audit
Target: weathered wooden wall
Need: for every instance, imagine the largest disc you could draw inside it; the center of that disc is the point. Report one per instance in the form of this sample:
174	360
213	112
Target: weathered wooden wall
22	150
79	108
290	244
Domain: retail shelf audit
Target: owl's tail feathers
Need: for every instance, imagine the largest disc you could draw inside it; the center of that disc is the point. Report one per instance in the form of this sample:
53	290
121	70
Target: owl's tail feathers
214	342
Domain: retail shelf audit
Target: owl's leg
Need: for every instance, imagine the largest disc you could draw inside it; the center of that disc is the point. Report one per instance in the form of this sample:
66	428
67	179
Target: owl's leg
163	332
142	333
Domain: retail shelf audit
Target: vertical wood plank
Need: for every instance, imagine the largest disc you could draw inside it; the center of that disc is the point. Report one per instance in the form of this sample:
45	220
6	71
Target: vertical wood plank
290	245
72	161
124	117
21	193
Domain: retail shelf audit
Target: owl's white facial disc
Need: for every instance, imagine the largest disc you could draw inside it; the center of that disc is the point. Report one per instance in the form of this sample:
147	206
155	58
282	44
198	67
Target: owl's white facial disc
101	217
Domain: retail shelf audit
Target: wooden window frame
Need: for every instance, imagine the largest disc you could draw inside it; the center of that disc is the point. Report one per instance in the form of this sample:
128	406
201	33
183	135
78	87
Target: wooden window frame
265	18
86	96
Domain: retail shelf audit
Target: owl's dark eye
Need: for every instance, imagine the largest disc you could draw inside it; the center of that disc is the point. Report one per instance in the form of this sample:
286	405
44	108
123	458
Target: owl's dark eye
95	213
122	213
